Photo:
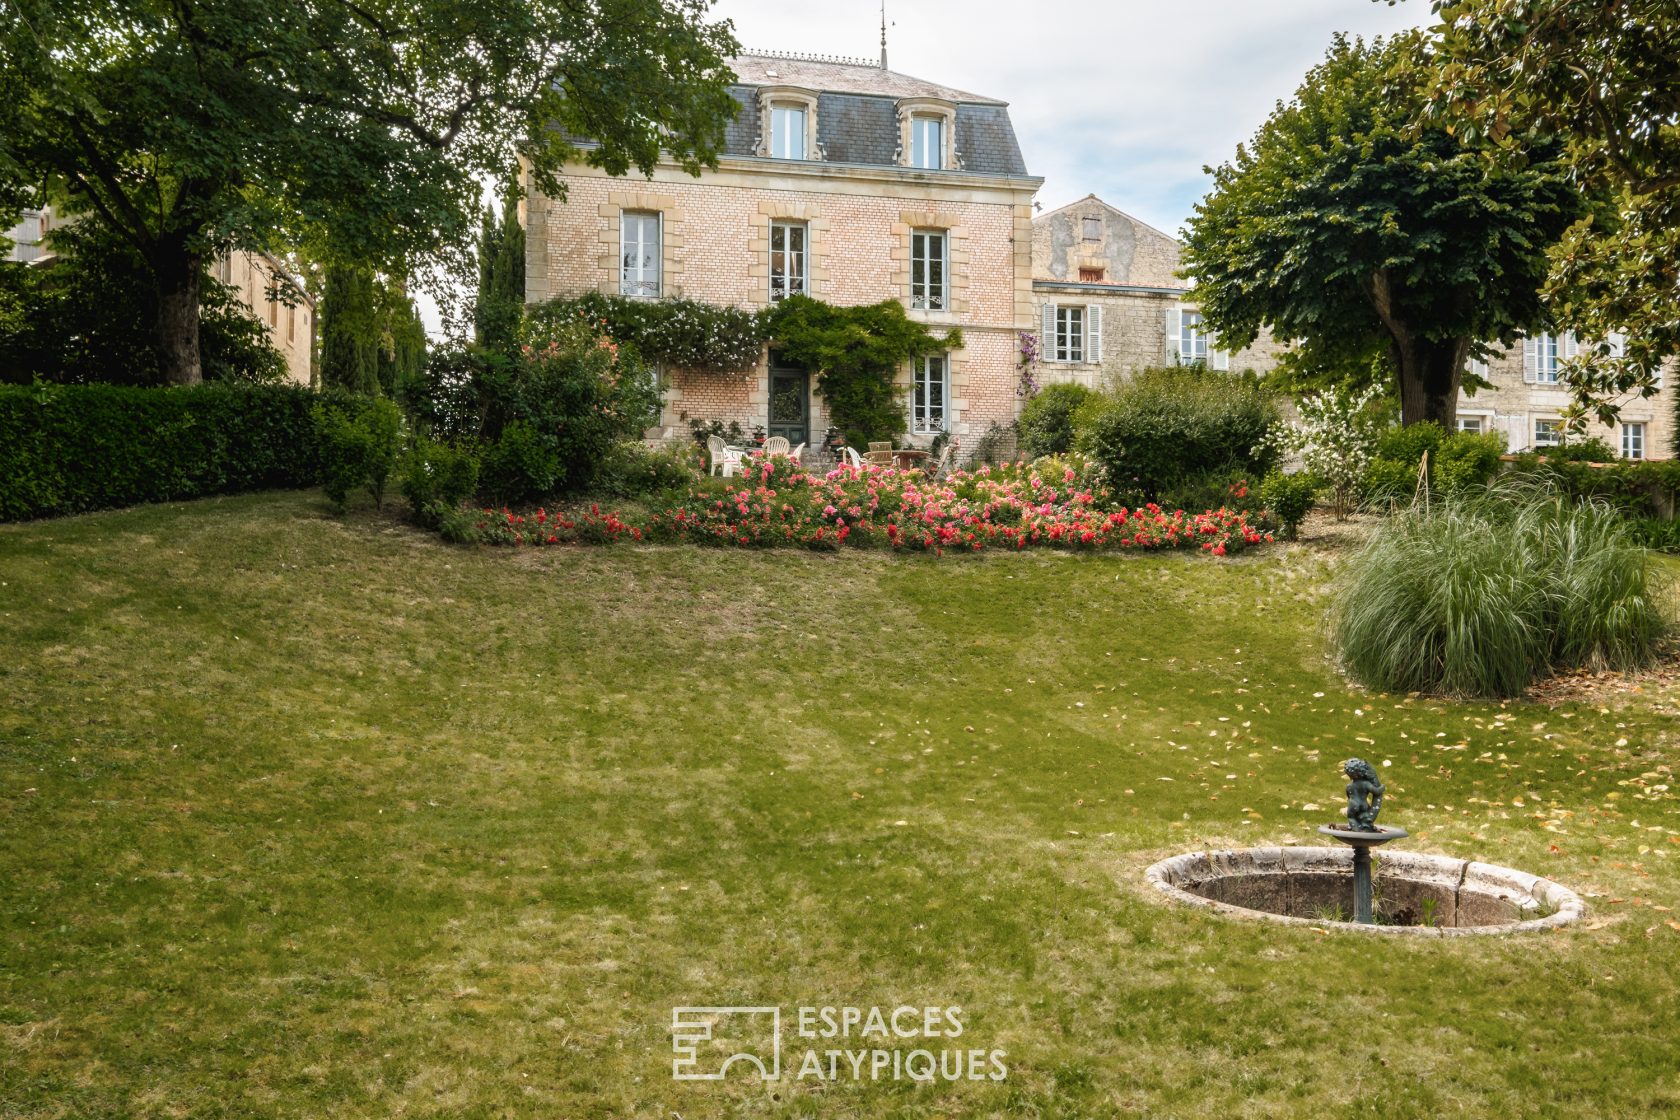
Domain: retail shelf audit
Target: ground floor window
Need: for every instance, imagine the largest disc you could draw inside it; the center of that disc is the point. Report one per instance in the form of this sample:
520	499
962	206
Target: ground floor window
1470	424
930	394
1633	441
1548	433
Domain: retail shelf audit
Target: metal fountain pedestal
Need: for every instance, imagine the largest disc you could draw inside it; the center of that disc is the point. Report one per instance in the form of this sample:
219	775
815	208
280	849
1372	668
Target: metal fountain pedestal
1362	842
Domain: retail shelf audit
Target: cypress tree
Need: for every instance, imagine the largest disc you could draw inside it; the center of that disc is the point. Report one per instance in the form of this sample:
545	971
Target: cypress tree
350	330
501	277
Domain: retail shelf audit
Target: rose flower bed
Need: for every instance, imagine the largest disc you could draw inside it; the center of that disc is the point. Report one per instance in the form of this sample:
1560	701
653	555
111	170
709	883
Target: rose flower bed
775	503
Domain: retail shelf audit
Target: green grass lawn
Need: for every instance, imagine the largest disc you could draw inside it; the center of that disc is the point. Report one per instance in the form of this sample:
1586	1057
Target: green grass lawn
305	817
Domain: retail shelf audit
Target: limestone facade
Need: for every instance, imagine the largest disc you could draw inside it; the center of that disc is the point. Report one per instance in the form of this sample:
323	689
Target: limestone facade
1109	301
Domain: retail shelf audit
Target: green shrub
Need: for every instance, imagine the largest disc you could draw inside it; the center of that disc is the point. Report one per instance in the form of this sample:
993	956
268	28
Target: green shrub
1593	450
434	473
1466	461
630	470
1478	596
1664	536
1164	428
1046	424
1213	490
1288	498
359	438
71	448
520	465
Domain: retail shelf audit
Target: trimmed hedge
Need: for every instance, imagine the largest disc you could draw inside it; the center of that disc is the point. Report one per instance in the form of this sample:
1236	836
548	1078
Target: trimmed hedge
70	448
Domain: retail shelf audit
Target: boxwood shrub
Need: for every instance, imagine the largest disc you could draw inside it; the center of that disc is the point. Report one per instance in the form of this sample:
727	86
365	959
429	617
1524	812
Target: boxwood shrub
70	448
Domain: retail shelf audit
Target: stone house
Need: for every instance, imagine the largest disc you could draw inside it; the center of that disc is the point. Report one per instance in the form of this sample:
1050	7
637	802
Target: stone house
1526	403
1108	300
840	179
274	296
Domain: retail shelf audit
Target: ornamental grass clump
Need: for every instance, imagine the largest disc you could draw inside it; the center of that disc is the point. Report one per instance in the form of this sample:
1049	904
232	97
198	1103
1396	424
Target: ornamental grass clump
1480	596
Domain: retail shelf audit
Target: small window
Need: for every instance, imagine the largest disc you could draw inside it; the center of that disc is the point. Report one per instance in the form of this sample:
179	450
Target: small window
788	274
273	305
928	279
1069	343
787	132
930	391
1548	433
291	322
927	142
1470	424
1093	229
1090	275
639	254
1633	441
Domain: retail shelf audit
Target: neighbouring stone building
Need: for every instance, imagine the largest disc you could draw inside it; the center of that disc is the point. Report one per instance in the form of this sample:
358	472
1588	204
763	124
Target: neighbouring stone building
840	179
1109	301
275	297
1526	403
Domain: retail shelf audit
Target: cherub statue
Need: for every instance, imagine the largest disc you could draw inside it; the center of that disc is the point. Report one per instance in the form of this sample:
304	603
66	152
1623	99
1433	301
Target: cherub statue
1364	795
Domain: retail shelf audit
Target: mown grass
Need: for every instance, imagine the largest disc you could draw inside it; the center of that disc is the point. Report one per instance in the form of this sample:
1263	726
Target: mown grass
308	817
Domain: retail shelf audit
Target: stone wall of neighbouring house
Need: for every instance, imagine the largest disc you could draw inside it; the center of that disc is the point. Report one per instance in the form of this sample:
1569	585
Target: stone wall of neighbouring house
1512	406
1127	250
716	243
1134	337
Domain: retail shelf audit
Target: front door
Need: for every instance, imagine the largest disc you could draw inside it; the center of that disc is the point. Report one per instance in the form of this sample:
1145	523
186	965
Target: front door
790	405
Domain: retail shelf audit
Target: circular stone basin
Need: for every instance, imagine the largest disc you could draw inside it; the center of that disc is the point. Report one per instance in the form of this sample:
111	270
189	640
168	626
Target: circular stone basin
1417	895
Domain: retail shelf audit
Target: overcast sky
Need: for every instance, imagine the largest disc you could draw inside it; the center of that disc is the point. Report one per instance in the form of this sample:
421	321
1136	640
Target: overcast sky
1124	99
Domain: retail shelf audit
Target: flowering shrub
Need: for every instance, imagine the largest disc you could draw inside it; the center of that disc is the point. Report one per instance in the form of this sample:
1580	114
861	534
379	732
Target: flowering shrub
775	502
1026	360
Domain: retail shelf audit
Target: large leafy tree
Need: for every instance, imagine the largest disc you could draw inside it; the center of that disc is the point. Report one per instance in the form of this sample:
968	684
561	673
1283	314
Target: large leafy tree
188	127
1346	227
1603	77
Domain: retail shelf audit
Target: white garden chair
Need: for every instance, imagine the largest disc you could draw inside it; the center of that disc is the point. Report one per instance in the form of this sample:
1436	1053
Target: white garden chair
777	445
726	460
797	454
851	458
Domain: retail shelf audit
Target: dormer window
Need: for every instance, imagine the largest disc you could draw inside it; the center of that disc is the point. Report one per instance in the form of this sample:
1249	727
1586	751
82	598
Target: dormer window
927	142
788	123
787	132
925	136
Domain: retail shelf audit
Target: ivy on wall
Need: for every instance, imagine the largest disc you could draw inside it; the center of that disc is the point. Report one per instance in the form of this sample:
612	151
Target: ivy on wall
682	333
856	353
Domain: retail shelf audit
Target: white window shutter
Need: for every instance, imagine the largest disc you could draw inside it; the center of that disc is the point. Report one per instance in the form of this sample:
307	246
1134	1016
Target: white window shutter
1175	320
1218	359
1568	346
1618	344
1093	333
1531	360
1047	343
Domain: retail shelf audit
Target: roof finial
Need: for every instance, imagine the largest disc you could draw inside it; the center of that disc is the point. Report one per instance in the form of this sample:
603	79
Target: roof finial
883	34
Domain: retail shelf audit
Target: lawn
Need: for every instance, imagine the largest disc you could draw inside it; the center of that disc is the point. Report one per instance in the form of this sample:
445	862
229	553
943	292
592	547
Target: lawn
305	817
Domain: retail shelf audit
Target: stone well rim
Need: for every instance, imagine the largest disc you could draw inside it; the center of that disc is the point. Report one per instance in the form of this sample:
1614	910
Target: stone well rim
1475	875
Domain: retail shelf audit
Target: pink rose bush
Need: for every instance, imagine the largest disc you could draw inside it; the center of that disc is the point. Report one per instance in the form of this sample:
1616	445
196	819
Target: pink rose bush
1050	504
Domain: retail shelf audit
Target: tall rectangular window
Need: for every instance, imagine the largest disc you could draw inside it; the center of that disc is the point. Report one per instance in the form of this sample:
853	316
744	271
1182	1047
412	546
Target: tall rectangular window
929	285
787	132
1546	359
927	142
930	391
1548	433
1192	340
1633	441
1069	342
788	259
639	254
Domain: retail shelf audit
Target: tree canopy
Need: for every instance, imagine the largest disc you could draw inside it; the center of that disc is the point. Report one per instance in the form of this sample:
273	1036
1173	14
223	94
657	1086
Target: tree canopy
1348	228
1602	78
357	130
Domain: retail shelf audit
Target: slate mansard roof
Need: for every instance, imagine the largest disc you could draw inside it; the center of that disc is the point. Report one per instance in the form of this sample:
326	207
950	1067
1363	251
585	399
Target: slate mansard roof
857	113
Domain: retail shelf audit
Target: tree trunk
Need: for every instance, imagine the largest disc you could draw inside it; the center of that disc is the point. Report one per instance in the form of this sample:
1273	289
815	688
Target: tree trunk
177	276
1429	370
1430	373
